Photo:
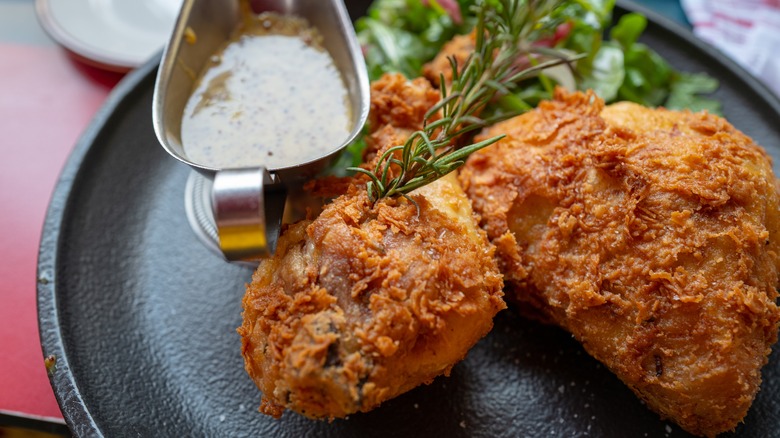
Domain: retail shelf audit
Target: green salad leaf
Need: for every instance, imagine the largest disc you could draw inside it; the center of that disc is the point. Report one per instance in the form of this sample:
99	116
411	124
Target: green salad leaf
402	35
605	72
686	93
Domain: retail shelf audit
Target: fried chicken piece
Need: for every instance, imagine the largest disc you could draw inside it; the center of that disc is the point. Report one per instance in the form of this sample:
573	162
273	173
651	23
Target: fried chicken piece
367	302
459	48
400	102
650	235
370	300
398	107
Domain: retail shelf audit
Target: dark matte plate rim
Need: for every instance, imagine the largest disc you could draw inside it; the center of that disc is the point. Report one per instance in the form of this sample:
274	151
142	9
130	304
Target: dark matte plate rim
66	391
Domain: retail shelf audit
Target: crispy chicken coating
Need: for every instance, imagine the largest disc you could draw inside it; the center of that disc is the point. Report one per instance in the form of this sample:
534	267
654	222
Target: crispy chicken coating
459	48
398	107
368	301
650	235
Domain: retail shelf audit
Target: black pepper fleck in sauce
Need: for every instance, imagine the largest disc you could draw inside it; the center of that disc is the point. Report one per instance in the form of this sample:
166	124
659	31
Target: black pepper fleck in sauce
271	97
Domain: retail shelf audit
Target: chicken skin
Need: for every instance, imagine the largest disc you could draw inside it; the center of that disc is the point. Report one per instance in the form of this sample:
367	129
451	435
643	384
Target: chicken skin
458	49
650	235
369	300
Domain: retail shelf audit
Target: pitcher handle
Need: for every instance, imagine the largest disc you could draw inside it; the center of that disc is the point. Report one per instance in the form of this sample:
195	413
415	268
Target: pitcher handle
248	207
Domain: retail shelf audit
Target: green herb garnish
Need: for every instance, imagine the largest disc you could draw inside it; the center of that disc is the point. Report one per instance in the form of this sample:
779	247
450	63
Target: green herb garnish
504	33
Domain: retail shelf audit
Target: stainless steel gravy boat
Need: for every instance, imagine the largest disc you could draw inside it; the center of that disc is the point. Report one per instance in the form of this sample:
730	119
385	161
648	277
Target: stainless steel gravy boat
248	203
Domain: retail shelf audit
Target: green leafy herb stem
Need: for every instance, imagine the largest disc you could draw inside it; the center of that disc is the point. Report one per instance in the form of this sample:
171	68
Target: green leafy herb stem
504	33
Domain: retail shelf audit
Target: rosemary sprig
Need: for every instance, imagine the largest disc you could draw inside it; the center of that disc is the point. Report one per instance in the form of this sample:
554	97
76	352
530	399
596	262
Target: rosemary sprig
503	56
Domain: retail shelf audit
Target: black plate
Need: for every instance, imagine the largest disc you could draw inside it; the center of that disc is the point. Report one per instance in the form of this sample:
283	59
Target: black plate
141	317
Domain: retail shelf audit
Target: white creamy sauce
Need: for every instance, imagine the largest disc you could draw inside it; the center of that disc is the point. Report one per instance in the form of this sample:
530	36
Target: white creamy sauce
270	100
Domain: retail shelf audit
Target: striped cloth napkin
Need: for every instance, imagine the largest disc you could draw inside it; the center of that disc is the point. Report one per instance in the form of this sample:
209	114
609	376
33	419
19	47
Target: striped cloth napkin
746	30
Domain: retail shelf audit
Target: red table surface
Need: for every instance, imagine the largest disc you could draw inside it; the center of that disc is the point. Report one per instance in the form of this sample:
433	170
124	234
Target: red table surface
46	101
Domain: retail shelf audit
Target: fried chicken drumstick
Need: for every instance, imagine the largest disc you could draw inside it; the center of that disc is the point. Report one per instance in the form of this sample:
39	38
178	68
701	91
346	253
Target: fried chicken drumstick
650	235
368	301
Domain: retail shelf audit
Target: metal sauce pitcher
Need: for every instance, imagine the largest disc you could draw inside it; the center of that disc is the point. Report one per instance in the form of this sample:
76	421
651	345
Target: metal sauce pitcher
248	203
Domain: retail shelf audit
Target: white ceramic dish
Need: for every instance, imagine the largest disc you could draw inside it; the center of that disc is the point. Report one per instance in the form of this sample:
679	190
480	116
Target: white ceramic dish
116	35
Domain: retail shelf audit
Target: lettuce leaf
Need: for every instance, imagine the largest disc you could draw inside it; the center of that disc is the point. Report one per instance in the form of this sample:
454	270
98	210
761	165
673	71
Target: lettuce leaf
402	35
651	81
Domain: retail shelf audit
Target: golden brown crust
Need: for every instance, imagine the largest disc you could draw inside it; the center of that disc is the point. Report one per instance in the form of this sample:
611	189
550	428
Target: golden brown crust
651	235
398	107
458	48
400	102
